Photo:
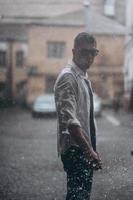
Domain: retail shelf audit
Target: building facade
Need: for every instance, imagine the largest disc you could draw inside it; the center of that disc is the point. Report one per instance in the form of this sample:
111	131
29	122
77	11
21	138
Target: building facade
45	41
50	49
13	54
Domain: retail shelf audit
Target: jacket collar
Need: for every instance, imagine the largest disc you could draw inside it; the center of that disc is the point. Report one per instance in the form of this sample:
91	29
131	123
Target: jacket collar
78	71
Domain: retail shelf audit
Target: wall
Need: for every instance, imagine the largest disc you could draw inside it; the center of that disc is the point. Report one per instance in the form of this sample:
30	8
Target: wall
107	67
11	74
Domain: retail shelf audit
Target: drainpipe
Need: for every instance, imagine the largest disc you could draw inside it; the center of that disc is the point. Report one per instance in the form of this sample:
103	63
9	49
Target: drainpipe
10	72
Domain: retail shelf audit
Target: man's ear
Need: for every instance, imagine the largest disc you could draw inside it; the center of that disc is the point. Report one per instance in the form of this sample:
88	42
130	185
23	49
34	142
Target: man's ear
73	52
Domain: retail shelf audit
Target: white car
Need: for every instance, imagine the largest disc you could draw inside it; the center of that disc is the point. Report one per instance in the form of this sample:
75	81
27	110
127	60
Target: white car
97	105
44	104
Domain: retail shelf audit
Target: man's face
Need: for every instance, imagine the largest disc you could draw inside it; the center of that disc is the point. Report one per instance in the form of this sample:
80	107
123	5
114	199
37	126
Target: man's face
84	56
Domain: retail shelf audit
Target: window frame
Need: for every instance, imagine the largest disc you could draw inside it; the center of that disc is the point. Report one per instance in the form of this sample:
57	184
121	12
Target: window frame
109	8
20	59
56	49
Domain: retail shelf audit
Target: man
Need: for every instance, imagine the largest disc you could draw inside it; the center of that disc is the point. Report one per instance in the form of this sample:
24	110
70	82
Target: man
76	125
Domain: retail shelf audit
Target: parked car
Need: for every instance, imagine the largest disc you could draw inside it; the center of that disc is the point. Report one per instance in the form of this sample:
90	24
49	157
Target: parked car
97	105
44	104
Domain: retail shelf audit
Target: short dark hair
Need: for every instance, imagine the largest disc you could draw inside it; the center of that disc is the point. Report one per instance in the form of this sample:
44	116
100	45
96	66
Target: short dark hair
83	38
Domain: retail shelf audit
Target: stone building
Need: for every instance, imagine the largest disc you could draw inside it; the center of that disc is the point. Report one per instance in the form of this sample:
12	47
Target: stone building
16	18
50	27
13	54
50	44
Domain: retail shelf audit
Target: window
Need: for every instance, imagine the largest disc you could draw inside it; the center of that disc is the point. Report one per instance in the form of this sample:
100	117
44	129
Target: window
19	58
56	49
109	8
2	58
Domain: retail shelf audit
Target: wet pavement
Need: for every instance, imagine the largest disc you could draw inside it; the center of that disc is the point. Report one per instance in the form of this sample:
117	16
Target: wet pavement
31	170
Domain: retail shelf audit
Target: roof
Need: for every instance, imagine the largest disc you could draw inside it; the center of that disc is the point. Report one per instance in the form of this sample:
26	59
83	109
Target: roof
98	24
13	32
36	8
50	8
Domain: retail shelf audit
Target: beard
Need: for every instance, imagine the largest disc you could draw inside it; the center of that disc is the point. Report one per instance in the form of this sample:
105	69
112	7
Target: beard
83	63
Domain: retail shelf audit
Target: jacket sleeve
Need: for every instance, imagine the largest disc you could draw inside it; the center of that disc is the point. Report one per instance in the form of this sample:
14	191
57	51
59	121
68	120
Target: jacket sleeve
66	102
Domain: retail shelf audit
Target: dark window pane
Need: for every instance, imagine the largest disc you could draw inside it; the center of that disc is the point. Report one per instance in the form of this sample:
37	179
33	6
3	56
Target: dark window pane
2	58
19	58
56	49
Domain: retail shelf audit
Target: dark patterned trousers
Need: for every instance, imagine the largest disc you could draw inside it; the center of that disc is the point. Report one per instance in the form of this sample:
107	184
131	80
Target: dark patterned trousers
79	174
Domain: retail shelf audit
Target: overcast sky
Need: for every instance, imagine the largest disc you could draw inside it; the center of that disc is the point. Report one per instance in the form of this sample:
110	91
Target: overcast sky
40	1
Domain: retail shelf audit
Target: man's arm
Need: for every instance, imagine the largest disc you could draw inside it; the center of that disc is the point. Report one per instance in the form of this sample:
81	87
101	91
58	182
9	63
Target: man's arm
77	133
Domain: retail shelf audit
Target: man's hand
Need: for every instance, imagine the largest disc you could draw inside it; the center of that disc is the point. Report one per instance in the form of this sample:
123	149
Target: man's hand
80	137
94	160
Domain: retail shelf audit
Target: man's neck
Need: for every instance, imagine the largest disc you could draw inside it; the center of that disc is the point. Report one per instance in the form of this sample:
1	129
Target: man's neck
84	70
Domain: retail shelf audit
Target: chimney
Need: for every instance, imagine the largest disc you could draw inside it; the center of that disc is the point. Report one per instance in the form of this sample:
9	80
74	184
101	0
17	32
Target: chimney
86	11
